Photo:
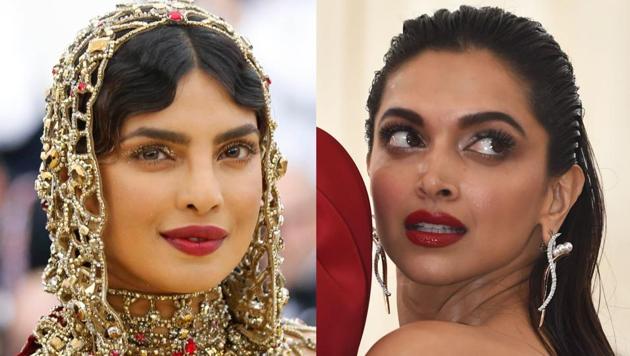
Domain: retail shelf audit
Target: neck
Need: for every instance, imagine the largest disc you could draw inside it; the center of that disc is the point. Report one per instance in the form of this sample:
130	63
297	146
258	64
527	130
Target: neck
478	301
171	324
163	304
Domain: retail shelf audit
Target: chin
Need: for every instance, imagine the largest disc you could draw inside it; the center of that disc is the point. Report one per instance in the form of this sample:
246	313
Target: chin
432	269
166	270
195	278
172	276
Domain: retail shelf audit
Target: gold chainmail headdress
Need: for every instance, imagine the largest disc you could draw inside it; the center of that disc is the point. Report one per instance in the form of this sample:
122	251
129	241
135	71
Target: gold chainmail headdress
76	273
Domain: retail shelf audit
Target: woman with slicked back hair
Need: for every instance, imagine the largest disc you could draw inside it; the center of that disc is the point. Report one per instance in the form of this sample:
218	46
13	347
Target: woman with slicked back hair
485	189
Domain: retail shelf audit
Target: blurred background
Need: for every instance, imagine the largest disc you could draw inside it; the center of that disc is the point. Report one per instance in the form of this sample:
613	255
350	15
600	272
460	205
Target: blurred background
33	38
353	36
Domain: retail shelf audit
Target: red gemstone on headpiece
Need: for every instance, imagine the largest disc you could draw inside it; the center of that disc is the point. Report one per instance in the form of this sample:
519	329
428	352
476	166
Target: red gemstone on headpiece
81	86
139	337
54	70
177	353
268	80
175	15
190	347
115	353
44	205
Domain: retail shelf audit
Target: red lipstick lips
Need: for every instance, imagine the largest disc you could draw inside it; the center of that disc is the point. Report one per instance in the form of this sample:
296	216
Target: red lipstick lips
196	240
433	229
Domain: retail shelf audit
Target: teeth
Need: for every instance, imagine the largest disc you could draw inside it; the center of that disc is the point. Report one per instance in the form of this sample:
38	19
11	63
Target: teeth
437	229
196	239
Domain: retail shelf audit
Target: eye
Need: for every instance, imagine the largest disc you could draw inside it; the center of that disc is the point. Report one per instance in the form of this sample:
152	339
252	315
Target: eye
401	136
152	153
492	143
238	151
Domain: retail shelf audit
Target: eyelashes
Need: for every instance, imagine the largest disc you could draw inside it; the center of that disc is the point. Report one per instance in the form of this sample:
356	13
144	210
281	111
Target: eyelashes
238	150
400	136
235	152
152	153
491	144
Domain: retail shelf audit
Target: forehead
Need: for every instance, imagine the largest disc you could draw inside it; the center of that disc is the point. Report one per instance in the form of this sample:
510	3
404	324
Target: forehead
451	84
201	103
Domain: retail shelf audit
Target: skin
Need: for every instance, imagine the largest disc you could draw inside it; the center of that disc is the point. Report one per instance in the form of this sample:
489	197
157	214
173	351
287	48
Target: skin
474	291
205	181
153	185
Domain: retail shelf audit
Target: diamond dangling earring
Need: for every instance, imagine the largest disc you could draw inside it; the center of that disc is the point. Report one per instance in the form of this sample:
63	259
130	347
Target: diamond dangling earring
553	254
380	255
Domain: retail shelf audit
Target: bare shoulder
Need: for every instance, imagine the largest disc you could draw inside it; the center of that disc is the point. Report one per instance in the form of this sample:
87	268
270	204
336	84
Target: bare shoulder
447	338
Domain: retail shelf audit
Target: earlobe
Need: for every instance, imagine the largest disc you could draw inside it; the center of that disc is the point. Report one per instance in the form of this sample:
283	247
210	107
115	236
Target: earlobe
563	193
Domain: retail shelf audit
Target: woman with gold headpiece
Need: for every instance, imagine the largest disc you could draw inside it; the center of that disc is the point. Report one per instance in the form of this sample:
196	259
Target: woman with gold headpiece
158	177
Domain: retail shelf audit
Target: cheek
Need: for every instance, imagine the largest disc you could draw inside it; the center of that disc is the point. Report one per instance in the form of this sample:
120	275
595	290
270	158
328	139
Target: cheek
242	191
504	211
135	203
387	190
245	187
139	198
504	203
392	188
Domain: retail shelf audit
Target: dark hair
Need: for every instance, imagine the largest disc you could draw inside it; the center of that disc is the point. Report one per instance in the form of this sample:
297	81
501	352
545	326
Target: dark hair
571	326
142	77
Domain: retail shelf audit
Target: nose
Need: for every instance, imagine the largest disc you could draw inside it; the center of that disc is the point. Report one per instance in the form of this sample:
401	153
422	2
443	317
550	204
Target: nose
436	178
200	190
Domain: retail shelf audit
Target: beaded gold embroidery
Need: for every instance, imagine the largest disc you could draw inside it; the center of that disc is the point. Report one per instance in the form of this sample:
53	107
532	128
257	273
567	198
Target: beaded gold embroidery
198	322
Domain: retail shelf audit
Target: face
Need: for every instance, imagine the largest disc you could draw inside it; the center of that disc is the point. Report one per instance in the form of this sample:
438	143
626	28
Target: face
458	168
182	191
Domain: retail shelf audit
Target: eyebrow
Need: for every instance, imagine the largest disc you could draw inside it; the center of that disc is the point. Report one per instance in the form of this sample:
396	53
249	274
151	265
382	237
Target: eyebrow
481	117
464	122
182	139
159	134
236	132
405	114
